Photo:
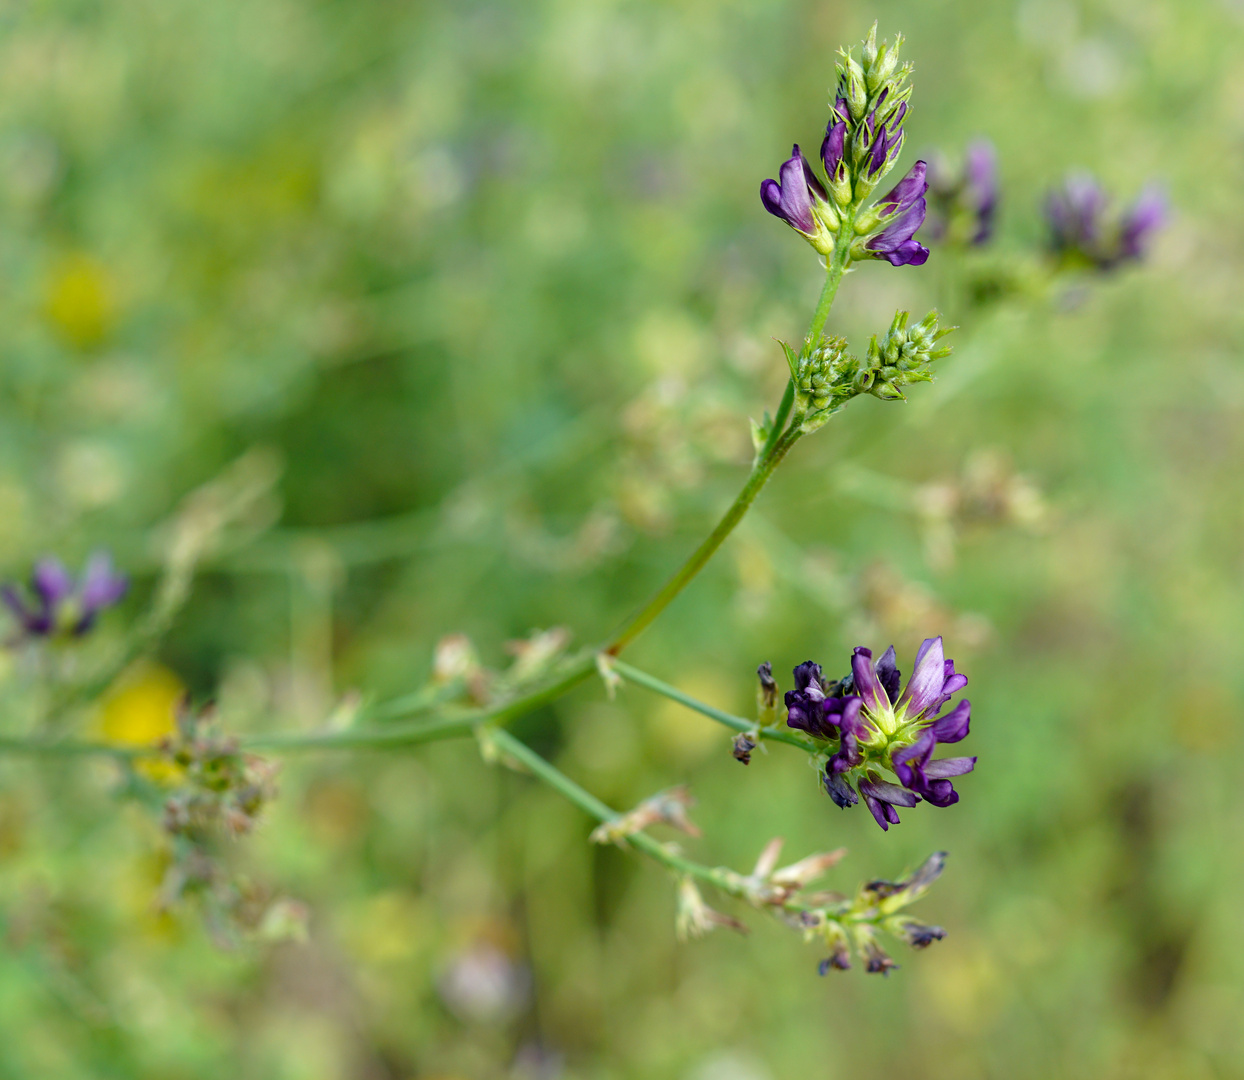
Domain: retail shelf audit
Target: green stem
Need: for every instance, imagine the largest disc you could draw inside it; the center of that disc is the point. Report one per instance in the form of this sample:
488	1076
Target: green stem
735	723
759	476
771	455
719	877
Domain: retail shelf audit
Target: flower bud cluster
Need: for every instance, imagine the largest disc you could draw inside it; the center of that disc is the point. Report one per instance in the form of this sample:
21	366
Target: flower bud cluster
220	795
827	376
865	132
903	356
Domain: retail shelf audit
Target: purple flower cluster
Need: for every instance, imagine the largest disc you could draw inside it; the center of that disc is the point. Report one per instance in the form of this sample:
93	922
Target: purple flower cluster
1081	228
880	725
863	139
58	603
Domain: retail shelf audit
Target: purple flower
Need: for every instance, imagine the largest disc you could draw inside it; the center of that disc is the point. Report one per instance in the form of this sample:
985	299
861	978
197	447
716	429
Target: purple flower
1074	214
793	199
906	206
1081	230
980	175
879	724
833	146
56	602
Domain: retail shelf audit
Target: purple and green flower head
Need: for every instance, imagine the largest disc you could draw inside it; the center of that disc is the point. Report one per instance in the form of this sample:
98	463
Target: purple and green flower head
863	138
58	603
885	733
1084	232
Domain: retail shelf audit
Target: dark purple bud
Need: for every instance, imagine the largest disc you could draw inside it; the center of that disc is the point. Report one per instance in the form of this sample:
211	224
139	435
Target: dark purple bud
879	151
879	963
744	744
921	936
768	685
839	790
867	685
841	110
833	147
888	674
807	674
838	960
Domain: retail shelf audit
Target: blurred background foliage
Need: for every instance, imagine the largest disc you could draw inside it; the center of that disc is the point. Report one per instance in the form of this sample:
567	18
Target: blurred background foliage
473	300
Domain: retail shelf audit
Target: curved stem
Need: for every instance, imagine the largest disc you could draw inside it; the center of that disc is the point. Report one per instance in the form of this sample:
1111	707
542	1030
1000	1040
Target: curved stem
734	723
759	476
721	878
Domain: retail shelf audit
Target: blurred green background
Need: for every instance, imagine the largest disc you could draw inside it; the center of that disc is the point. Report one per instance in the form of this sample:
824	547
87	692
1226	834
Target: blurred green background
495	279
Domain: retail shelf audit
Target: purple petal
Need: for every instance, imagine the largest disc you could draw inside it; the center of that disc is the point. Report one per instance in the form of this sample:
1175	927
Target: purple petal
832	148
906	191
1146	216
807	674
951	766
881	811
919	752
839	790
981	172
790	199
924	688
866	683
888	674
52	581
940	793
954	725
102	586
880	147
887	792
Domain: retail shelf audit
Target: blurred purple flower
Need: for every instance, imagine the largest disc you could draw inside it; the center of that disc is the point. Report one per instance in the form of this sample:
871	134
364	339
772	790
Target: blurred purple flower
56	602
1080	229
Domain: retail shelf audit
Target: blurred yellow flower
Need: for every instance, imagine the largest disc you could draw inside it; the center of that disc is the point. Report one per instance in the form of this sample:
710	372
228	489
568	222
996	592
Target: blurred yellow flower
143	709
80	303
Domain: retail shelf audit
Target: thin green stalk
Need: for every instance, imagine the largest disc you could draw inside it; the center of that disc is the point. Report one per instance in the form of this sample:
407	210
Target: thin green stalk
585	800
775	449
735	723
720	877
759	476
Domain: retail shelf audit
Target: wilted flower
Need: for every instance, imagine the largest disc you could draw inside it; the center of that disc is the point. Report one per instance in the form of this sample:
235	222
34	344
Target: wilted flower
1081	231
880	730
665	808
57	604
695	918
